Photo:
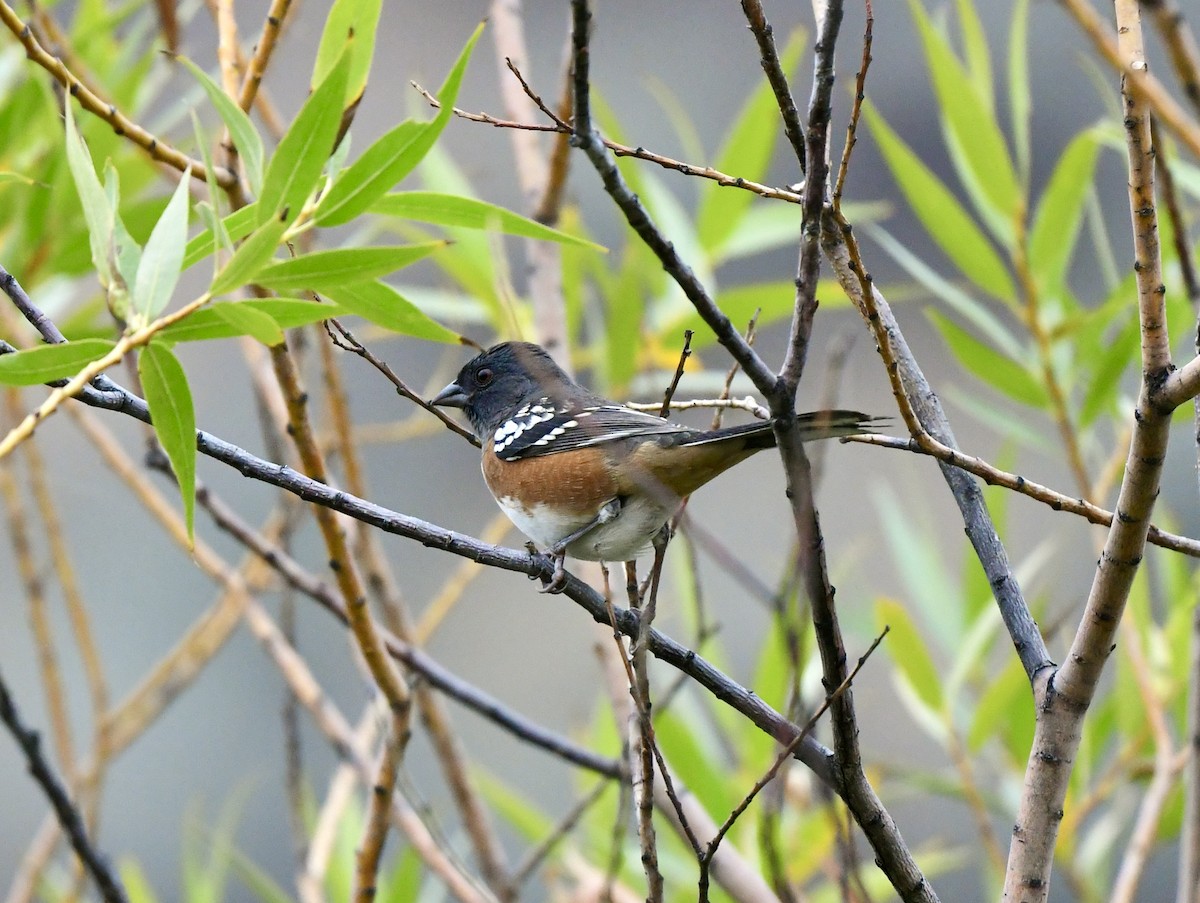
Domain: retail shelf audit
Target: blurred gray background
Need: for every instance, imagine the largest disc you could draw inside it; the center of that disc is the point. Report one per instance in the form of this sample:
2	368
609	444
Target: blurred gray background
223	737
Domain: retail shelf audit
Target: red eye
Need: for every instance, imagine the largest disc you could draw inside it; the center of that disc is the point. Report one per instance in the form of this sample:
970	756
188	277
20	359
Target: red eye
483	376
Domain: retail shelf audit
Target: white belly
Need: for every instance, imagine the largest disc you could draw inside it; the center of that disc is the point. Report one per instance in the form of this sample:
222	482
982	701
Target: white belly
624	538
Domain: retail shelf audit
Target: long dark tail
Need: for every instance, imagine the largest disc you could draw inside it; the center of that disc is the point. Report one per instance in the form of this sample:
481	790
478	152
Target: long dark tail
813	425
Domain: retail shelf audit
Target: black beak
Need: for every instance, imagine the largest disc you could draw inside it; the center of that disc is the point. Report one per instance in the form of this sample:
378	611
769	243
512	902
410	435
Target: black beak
452	396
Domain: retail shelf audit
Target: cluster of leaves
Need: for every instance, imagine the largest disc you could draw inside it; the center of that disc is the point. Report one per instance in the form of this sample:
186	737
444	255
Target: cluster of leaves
304	184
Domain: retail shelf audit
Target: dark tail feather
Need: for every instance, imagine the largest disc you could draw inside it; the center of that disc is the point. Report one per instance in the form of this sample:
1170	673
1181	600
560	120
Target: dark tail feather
814	425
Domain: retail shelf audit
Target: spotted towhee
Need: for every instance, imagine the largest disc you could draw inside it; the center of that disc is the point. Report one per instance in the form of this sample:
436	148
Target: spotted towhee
583	475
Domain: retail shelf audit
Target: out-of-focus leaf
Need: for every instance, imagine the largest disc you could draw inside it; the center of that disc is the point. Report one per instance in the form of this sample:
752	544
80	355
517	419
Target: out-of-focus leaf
762	228
262	887
925	577
211	323
174	418
1111	364
386	307
995	368
1060	211
296	165
403	882
251	256
909	652
454	210
775	300
747	153
699	766
975	46
941	214
1020	98
357	19
961	302
320	269
1005	711
50	362
250	321
529	821
393	156
245	136
973	133
158	270
137	885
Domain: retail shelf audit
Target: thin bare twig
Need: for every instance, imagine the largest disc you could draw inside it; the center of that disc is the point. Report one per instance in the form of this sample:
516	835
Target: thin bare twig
860	93
640	153
107	881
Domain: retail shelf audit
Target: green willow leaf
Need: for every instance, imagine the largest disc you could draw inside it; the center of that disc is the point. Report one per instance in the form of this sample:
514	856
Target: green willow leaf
238	225
747	153
162	259
321	269
941	214
909	652
383	305
386	162
46	363
296	165
97	211
995	369
454	210
1060	212
983	159
245	136
251	256
174	419
212	323
346	18
250	321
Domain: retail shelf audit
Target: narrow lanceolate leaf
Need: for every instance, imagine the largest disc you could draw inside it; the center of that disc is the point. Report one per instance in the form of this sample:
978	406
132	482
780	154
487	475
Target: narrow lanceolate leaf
210	323
251	256
245	136
46	363
237	225
383	305
248	321
746	153
453	210
162	259
909	652
969	119
975	49
995	369
941	214
296	165
349	18
174	418
1060	212
393	156
96	209
1020	98
321	269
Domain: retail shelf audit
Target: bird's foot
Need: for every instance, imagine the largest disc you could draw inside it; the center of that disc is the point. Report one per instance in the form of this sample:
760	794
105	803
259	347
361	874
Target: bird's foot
557	581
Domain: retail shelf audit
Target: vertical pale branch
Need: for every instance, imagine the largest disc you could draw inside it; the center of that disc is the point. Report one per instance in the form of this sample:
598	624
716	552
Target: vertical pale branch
1063	696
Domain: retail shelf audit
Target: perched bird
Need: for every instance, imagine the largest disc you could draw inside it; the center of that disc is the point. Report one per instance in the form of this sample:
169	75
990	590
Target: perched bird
581	475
